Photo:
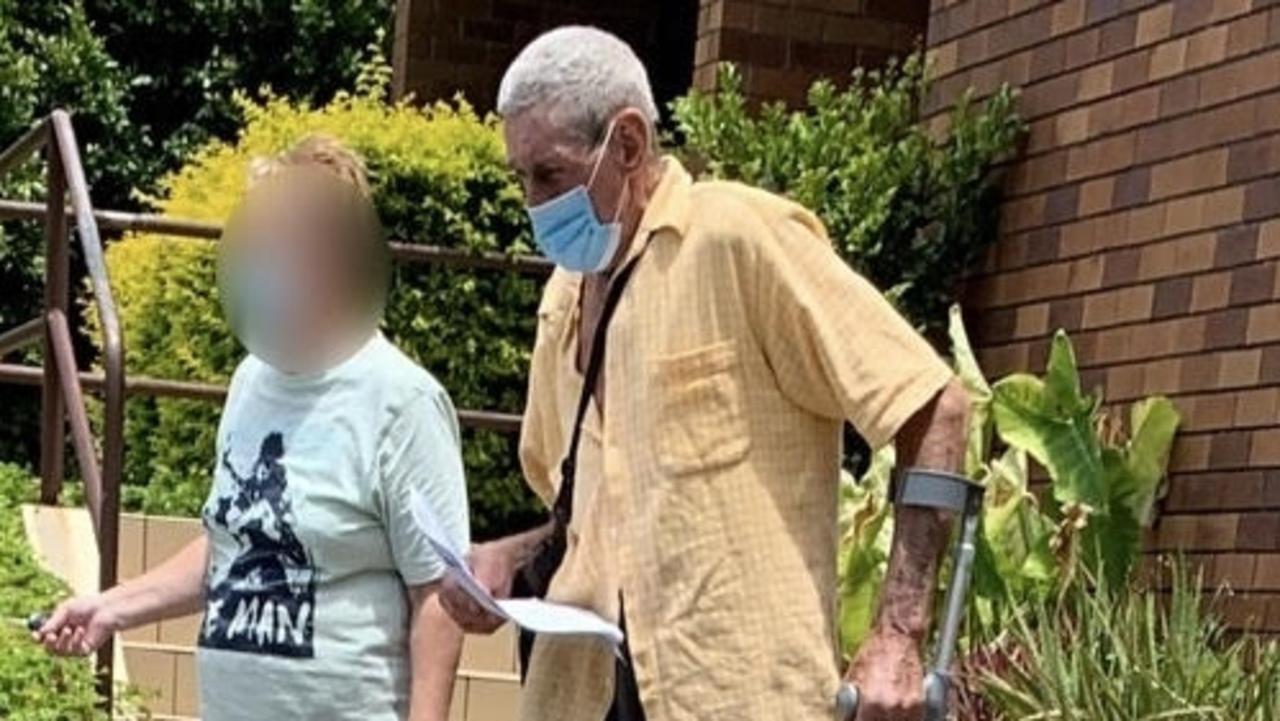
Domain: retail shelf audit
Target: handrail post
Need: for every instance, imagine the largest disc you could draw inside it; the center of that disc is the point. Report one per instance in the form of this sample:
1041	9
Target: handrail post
63	139
56	288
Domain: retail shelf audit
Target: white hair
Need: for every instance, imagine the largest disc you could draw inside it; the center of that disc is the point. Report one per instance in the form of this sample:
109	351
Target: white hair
582	76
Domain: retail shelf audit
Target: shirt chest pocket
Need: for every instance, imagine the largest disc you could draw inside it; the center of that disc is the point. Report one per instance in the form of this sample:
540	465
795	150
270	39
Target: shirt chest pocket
699	417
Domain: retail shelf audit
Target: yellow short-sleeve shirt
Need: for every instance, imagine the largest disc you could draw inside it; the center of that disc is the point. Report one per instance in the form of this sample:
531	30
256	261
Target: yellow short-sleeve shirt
706	491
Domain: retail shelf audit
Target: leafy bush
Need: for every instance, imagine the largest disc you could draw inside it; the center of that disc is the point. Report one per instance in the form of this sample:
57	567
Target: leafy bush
186	59
33	685
1103	485
438	176
49	57
1118	653
909	211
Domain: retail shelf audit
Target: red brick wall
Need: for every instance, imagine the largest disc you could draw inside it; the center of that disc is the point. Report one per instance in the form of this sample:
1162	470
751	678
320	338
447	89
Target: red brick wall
447	46
782	47
1144	218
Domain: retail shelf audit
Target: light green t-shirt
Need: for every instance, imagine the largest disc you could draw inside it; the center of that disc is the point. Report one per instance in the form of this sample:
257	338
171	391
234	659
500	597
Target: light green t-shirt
312	539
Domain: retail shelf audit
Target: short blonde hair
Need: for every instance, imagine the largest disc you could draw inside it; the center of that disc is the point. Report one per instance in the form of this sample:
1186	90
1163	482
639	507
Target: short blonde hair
316	151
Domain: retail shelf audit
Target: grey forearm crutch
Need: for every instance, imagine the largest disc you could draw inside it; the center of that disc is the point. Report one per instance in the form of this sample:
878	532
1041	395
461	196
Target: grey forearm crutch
918	488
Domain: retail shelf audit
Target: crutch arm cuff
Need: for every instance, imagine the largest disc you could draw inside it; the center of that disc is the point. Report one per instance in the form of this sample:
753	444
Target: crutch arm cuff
926	488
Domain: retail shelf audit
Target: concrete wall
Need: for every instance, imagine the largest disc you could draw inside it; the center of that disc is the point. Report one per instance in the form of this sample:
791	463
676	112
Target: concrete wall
1144	218
161	662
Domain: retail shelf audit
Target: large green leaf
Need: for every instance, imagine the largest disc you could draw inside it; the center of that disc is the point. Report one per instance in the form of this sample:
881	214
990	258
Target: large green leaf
1014	561
966	366
1133	472
1153	422
1053	421
865	536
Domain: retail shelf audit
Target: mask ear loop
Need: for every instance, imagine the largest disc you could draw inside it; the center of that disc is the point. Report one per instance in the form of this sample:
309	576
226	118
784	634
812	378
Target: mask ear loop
604	145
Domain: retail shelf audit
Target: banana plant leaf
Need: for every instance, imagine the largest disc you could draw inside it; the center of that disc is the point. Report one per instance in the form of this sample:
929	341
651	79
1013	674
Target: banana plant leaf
1013	556
978	447
1136	477
1053	421
1134	470
866	530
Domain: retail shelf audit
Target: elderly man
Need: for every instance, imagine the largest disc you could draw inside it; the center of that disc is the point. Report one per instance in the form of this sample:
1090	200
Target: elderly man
703	518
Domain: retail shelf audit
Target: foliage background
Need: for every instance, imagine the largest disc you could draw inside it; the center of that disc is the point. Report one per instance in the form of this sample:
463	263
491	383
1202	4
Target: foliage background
50	57
909	210
187	59
148	82
34	686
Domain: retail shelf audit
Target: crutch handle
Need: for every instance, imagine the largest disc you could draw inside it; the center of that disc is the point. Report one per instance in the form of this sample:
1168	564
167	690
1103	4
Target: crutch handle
935	699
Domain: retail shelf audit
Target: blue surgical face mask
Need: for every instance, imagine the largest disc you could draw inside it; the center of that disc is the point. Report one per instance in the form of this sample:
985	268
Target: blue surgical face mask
568	232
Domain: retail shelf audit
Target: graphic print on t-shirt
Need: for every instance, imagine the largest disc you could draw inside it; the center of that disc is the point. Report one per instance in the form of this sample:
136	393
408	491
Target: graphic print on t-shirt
264	602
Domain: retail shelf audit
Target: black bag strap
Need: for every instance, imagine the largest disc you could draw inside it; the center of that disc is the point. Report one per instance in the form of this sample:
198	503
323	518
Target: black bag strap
563	509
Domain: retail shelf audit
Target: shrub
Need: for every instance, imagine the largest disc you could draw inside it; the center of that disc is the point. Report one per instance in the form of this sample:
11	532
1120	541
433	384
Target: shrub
1103	483
49	57
1108	653
34	686
438	176
909	211
187	58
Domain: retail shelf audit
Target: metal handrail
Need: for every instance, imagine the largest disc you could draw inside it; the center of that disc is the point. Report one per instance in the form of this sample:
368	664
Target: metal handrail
213	392
62	395
400	250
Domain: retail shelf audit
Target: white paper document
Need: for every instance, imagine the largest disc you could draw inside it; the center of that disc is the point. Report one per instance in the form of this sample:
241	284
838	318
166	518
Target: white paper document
531	614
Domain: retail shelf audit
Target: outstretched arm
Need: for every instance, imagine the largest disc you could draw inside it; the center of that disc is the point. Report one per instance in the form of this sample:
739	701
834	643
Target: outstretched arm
888	669
175	588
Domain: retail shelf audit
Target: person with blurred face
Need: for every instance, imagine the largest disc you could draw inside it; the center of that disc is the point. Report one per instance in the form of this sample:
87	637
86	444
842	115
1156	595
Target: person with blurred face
704	507
319	591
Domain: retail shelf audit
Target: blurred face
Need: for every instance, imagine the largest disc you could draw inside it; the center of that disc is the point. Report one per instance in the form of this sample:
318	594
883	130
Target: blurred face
302	270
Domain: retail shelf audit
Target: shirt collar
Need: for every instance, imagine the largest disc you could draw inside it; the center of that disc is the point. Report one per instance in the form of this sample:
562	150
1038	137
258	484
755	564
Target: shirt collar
668	209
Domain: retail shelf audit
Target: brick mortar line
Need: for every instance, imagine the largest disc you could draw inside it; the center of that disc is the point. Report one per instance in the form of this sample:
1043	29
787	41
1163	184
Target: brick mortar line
1189	512
1146	359
1078	104
1209	393
1084	29
982	275
1042	4
1193	474
1138	284
1181	394
1160	120
1110	135
1133	284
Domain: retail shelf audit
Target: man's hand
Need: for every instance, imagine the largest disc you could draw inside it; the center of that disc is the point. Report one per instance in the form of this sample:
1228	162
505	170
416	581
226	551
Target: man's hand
494	565
79	626
890	678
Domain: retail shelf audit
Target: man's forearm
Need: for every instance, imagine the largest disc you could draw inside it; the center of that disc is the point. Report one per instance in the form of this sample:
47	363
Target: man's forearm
525	545
934	439
436	648
174	588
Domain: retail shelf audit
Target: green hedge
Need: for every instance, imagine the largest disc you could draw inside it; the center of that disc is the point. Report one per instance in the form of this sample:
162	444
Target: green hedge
33	685
438	176
50	57
910	207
